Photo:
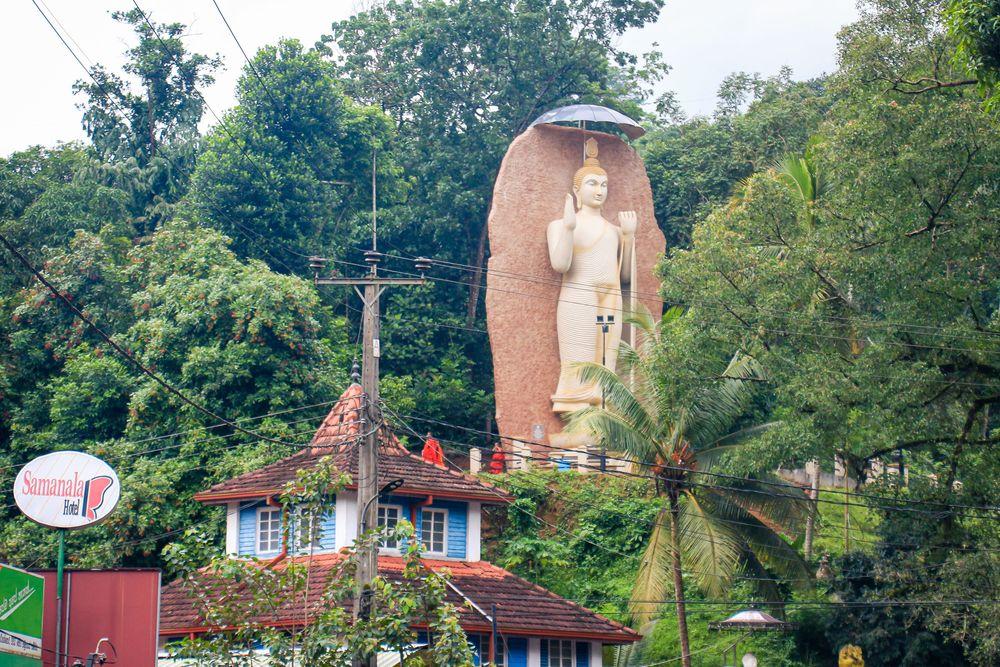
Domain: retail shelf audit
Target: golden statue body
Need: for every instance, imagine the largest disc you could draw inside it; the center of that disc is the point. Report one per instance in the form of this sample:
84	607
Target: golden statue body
850	656
595	259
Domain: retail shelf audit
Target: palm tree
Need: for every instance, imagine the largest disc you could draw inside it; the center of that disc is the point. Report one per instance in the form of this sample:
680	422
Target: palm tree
717	526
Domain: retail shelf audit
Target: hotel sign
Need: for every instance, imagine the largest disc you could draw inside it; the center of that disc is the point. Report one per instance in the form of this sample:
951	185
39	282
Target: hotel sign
67	490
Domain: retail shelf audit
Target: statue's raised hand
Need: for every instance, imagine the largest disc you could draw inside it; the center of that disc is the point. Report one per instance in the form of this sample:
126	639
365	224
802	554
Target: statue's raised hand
628	222
569	214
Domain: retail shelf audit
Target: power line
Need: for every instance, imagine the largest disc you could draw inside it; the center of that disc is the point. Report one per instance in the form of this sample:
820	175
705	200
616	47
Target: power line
583	504
787	332
253	68
62	298
557	282
650	464
204	101
210	438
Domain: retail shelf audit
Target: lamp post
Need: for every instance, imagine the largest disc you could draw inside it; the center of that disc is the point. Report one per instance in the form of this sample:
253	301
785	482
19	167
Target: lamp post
605	324
388	488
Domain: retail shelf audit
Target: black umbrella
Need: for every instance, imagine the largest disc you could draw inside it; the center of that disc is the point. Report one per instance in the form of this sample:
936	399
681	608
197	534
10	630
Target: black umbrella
591	113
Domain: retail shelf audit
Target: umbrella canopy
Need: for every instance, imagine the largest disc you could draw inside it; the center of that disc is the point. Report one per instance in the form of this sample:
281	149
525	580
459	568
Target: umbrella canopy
751	619
591	113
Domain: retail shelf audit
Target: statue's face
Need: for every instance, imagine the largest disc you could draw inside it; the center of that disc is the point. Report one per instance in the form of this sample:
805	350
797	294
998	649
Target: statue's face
592	191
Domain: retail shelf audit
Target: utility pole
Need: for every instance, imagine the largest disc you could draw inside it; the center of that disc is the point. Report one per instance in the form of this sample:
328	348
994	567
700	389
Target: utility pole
373	285
368	489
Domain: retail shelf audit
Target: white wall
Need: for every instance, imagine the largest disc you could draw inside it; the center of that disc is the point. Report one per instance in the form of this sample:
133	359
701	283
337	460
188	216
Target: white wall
347	519
596	654
232	529
473	532
534	652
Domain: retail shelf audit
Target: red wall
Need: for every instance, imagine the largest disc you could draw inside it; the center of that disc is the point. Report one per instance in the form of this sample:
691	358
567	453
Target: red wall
122	605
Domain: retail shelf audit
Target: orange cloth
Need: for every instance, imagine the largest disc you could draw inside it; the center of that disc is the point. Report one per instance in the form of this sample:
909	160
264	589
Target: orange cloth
498	460
432	452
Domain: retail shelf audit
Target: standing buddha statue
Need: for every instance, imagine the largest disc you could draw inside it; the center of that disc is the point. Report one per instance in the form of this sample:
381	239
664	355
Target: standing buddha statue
595	259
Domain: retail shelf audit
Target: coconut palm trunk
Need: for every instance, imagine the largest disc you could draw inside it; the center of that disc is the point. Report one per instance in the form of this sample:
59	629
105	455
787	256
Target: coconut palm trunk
675	552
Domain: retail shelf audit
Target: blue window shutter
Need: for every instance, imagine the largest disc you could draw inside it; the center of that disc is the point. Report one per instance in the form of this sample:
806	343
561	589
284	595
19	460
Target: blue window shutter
517	652
458	522
328	532
545	652
248	530
582	654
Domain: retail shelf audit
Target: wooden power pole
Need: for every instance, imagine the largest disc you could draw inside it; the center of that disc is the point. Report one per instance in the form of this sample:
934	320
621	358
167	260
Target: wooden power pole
373	285
368	488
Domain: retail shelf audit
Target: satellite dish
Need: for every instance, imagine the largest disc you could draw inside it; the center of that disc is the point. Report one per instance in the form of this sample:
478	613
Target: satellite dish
591	113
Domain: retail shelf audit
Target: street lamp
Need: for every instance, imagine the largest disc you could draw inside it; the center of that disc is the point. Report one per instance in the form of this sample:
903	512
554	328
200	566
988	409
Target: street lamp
605	324
388	488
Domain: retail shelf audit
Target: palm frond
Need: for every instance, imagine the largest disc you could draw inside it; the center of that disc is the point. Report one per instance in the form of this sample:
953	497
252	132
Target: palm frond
711	547
757	528
764	584
783	509
714	409
615	433
655	572
620	398
710	456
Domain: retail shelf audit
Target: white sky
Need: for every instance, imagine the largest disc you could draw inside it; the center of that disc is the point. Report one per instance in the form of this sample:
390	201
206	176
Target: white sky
704	40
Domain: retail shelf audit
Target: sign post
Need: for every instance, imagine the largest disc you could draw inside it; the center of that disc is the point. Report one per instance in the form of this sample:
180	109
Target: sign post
66	490
21	608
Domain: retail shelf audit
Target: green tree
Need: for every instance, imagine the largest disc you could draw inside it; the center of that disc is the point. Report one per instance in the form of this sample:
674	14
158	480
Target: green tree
695	165
975	27
714	527
288	172
143	124
167	107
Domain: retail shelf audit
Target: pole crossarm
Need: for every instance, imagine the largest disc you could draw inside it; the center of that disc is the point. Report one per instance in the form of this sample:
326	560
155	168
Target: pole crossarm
370	281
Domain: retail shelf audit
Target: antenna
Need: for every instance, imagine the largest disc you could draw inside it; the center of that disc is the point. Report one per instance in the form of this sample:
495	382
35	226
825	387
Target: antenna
374	203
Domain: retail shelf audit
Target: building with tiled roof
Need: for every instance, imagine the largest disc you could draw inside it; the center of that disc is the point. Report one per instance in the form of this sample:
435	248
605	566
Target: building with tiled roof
538	627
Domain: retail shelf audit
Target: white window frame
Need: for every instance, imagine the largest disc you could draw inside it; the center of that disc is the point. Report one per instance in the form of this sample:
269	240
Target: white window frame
302	543
390	544
259	534
564	659
444	531
484	652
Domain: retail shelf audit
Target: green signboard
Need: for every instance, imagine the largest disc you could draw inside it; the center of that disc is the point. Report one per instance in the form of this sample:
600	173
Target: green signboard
21	605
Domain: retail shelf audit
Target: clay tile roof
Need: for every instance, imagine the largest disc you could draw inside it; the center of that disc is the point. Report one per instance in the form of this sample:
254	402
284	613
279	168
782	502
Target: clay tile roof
338	436
523	608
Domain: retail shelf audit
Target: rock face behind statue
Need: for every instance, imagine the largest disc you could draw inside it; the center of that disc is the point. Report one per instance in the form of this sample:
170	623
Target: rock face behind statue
522	287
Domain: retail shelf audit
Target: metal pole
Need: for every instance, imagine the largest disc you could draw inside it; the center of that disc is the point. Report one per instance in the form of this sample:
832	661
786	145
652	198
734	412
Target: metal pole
60	564
493	637
604	362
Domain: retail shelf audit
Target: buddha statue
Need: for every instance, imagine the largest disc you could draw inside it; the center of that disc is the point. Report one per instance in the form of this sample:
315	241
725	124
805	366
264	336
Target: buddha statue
595	259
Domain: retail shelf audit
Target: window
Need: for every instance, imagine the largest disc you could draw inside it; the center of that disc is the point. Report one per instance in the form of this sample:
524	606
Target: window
308	529
560	653
484	652
268	529
388	516
434	530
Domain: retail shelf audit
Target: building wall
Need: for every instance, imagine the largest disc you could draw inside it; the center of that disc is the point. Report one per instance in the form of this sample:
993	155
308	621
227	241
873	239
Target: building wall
246	525
339	527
